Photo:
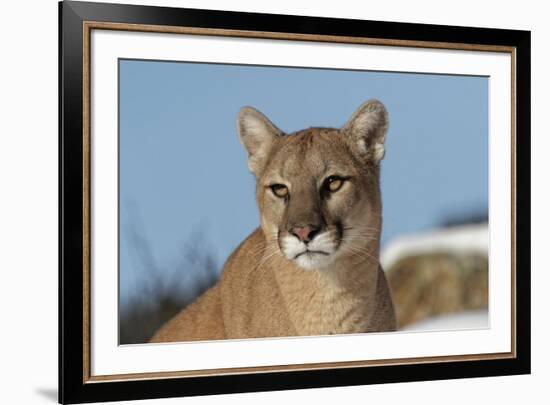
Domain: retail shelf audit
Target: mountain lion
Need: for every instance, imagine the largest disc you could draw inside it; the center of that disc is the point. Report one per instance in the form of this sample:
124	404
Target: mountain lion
312	267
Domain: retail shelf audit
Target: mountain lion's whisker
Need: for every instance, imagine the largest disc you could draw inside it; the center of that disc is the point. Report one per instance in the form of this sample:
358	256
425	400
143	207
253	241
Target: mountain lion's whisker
265	260
363	252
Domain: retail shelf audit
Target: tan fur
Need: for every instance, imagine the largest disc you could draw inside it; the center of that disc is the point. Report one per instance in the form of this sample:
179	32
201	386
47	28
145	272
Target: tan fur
275	283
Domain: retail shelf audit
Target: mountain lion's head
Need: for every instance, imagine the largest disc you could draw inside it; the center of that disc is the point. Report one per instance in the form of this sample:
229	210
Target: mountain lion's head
318	189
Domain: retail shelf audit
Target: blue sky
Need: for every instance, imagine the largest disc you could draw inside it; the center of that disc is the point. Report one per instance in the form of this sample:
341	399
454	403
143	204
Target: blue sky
183	172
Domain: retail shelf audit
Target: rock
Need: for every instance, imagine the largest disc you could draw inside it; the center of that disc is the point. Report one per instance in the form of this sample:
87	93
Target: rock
435	284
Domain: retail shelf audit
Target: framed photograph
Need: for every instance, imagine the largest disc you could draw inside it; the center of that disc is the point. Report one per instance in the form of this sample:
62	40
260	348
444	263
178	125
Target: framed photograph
254	202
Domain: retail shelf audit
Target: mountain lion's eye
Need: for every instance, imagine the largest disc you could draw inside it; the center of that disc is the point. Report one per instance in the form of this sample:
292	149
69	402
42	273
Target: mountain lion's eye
334	183
280	190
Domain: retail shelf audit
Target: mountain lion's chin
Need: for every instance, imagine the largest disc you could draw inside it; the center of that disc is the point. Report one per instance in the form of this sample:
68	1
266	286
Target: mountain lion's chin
312	260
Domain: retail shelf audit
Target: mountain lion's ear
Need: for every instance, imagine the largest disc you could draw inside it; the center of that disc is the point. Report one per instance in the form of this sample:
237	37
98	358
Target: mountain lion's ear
257	134
367	130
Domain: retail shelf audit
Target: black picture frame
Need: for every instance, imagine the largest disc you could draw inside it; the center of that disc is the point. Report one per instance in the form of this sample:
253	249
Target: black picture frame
73	384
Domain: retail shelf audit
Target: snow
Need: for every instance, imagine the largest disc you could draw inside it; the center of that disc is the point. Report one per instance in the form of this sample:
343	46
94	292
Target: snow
478	319
472	238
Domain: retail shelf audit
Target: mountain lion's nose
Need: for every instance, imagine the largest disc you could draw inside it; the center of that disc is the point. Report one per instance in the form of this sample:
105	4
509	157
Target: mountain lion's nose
305	233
